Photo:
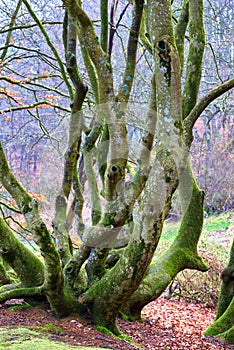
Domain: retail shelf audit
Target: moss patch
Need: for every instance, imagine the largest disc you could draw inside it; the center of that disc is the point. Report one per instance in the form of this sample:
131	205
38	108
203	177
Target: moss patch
19	307
104	330
126	337
22	338
49	328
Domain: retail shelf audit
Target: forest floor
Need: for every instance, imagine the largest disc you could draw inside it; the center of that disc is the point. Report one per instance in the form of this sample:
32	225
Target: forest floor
167	325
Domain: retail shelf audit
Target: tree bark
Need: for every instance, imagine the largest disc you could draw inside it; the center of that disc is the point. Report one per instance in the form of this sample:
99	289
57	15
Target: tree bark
182	253
223	325
28	267
61	299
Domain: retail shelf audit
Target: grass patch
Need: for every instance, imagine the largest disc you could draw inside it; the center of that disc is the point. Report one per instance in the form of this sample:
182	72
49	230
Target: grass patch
215	236
217	222
214	247
48	328
22	338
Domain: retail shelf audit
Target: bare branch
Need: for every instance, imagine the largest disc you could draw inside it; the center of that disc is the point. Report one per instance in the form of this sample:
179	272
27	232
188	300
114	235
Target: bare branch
114	27
11	25
125	88
180	30
51	46
195	56
15	210
215	62
33	105
202	104
24	84
91	42
26	26
104	24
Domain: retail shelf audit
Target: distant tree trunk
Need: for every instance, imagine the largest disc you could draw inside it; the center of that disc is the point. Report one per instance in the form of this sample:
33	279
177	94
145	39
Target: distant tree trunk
223	326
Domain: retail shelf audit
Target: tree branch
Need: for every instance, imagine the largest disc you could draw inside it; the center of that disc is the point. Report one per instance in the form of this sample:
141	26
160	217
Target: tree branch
24	83
15	210
126	86
113	27
11	25
33	105
51	46
91	42
72	153
20	293
201	106
16	254
104	24
144	36
41	235
26	26
195	56
180	30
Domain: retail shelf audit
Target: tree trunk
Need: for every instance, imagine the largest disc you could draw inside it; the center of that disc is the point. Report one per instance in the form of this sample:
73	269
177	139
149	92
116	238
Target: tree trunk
223	325
62	300
182	254
4	277
28	267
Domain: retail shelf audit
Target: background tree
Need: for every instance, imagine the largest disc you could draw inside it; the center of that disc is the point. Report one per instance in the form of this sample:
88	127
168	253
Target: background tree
132	156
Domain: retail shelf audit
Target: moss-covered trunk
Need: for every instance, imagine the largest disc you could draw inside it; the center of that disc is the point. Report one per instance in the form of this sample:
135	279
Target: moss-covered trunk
61	299
223	325
139	201
106	297
5	278
182	254
28	267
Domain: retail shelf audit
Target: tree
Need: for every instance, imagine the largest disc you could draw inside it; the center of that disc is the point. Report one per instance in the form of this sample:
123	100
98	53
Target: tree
130	192
223	325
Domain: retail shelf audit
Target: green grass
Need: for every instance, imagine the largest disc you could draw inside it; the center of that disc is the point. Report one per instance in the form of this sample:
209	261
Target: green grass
48	328
217	222
214	237
20	338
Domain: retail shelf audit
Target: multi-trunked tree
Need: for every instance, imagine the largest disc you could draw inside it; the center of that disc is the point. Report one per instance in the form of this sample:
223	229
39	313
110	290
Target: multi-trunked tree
112	271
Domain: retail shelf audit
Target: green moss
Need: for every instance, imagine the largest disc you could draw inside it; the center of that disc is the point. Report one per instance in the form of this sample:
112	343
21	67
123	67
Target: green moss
124	316
167	179
228	335
179	126
19	307
137	257
49	327
109	219
104	330
126	337
129	340
20	338
96	216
